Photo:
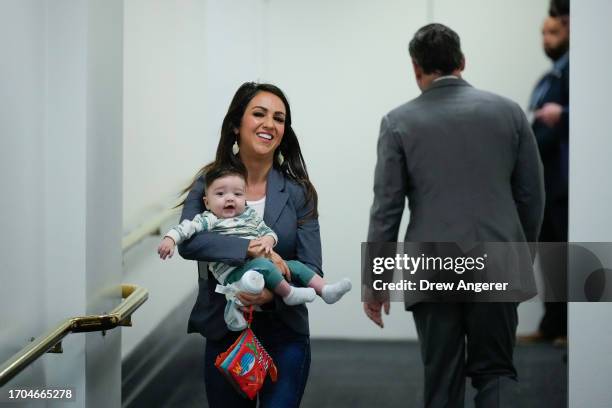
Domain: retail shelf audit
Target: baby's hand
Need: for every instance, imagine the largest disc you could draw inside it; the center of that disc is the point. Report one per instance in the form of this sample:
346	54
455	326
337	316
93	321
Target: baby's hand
267	243
166	248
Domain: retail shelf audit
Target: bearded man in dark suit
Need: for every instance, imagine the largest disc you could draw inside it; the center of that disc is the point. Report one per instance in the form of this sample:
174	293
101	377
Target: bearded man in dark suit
549	105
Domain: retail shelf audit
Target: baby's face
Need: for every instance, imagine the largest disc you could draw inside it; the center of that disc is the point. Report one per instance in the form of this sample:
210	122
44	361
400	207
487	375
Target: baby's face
225	197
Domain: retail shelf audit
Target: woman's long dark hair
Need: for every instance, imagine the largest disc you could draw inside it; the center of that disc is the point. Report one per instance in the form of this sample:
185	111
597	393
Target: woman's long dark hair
293	166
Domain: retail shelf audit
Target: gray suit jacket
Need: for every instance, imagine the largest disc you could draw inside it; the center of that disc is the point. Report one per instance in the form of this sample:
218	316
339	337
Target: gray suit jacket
284	207
468	163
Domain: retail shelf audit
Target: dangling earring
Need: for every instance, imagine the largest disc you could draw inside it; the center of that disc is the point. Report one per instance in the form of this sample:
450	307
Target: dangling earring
235	147
281	158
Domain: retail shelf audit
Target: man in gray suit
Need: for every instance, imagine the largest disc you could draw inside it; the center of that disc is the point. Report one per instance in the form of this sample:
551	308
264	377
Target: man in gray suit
468	163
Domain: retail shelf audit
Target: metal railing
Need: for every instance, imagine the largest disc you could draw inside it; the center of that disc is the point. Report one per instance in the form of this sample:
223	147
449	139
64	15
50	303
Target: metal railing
133	297
146	229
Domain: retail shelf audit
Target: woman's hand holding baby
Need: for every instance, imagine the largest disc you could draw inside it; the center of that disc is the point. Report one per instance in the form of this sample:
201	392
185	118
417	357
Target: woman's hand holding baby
267	242
280	264
261	247
248	299
255	249
166	248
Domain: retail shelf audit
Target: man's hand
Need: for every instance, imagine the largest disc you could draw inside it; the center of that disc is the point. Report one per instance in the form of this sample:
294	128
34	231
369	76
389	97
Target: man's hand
281	265
372	310
549	114
166	248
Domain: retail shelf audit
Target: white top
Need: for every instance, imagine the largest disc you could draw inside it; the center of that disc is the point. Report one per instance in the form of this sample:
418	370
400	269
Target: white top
259	206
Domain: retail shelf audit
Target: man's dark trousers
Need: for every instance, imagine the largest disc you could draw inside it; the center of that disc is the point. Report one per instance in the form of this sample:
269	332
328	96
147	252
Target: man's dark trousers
467	339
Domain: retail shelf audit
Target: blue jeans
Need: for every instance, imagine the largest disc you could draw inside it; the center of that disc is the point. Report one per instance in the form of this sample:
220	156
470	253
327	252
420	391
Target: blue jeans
291	354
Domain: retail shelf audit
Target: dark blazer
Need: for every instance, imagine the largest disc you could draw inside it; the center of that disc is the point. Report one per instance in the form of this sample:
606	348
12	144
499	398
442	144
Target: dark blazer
468	163
284	207
553	143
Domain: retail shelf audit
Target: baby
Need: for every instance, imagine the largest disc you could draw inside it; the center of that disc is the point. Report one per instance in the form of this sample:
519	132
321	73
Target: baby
228	214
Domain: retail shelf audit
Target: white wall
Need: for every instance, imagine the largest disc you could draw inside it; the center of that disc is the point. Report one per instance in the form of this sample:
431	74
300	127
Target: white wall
590	331
164	101
501	41
182	63
343	65
22	95
104	171
61	156
165	141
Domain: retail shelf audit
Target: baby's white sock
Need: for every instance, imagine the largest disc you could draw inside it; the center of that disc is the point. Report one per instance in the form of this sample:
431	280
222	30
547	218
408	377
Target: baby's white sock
332	292
297	296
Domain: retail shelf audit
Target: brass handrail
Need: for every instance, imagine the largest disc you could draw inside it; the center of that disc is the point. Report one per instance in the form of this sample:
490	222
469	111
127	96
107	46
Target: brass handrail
134	296
146	229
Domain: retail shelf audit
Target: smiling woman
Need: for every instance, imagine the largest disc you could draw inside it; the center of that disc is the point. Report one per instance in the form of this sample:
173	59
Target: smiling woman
256	132
262	127
257	140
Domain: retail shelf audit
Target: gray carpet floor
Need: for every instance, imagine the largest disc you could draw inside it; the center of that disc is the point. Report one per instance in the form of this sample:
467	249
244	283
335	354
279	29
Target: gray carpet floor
376	374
